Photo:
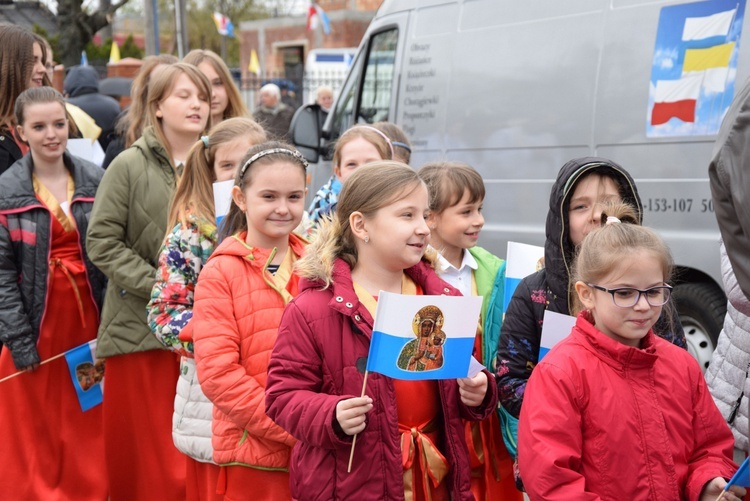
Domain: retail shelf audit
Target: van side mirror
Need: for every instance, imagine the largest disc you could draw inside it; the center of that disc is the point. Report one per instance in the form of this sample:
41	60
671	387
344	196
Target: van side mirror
305	131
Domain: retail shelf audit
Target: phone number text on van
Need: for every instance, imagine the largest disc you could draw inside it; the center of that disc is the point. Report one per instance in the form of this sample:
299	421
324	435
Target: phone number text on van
677	205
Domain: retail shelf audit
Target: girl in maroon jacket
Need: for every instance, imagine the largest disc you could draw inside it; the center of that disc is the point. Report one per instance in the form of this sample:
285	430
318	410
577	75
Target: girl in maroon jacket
613	411
410	441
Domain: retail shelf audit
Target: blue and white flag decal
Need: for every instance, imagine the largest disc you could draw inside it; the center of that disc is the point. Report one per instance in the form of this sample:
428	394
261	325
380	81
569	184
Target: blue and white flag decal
423	337
87	373
521	260
555	328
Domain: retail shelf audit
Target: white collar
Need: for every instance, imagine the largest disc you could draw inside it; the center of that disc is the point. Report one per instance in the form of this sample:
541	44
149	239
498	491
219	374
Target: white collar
468	260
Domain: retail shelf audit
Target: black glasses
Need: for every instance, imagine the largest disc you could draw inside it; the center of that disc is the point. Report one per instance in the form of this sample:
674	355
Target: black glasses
627	297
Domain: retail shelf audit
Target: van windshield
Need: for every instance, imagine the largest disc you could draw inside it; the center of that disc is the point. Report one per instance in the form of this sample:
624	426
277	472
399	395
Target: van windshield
374	69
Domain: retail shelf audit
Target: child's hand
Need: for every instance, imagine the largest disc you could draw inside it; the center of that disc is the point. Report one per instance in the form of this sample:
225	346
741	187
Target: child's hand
473	389
350	414
713	489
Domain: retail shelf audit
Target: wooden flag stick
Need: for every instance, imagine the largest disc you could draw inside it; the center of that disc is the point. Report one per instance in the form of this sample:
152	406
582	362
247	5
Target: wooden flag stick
40	364
354	440
721	496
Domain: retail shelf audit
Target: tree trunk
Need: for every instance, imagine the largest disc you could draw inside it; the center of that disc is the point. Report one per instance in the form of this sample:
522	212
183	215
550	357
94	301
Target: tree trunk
77	28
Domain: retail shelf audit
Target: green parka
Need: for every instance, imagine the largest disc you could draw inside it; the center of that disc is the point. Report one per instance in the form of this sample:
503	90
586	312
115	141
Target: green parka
126	231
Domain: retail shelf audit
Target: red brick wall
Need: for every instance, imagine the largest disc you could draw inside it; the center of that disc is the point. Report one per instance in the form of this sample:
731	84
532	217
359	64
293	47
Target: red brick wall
367	5
345	33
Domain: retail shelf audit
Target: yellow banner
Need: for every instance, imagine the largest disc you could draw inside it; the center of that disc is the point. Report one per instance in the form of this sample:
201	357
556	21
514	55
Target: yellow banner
704	59
114	53
254	65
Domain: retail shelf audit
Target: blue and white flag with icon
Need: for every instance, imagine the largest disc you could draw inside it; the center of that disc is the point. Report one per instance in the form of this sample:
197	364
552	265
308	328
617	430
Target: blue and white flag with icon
424	337
87	373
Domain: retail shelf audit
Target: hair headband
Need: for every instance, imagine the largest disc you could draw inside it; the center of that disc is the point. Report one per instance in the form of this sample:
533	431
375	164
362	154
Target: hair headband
401	145
378	131
295	154
205	141
612	220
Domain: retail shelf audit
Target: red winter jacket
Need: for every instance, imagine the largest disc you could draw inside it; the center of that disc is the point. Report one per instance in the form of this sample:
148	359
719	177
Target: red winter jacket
318	360
238	306
601	420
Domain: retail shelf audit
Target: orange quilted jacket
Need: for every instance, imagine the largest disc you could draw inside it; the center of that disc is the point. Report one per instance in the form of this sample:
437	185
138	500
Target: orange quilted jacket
238	306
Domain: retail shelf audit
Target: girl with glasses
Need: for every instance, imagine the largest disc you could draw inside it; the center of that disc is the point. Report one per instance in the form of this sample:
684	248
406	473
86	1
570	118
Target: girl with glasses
581	190
613	411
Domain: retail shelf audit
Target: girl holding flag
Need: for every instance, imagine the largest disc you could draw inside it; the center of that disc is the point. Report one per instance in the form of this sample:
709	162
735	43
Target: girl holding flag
51	295
192	240
240	296
375	242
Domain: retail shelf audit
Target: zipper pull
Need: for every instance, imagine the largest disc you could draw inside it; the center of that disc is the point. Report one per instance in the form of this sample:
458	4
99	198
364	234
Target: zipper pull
736	406
733	414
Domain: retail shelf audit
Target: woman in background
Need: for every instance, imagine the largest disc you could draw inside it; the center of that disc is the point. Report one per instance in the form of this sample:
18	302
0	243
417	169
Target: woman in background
129	127
22	59
226	101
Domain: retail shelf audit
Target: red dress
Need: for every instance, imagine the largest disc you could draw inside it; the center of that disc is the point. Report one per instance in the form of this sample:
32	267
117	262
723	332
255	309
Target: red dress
50	448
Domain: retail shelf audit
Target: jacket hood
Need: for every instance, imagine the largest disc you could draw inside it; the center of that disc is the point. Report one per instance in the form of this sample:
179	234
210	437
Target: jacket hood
236	246
81	80
558	250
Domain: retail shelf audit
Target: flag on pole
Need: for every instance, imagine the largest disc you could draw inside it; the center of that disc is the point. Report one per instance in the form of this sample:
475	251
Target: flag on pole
676	99
423	337
315	13
223	25
84	58
254	66
114	53
711	64
716	25
87	373
712	57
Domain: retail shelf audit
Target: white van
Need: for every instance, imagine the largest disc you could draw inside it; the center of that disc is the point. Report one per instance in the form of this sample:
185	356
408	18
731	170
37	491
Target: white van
516	89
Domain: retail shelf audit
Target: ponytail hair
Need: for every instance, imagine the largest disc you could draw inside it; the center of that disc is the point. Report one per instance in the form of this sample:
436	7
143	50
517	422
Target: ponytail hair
620	236
263	154
194	193
368	189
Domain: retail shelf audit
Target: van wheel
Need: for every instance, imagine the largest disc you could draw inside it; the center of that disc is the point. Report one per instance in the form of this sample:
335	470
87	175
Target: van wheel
701	307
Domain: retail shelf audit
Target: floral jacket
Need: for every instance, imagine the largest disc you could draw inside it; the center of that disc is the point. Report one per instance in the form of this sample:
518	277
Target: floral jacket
185	252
